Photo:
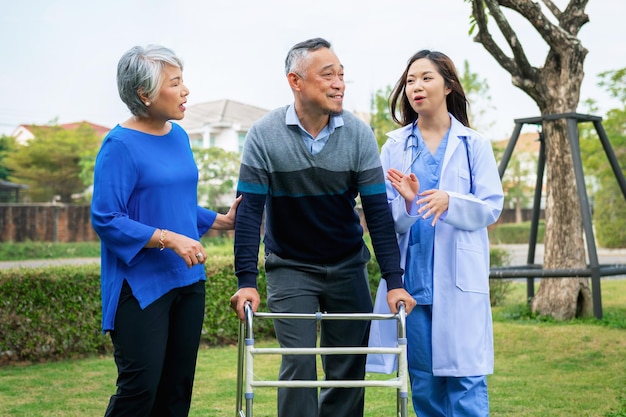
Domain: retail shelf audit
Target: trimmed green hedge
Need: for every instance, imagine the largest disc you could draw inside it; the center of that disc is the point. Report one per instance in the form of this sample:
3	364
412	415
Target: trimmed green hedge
54	313
515	233
50	313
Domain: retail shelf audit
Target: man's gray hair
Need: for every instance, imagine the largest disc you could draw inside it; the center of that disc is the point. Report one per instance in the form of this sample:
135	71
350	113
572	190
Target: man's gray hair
298	53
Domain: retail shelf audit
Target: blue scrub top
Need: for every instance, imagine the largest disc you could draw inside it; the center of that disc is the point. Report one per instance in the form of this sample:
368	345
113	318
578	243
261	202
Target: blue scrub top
418	275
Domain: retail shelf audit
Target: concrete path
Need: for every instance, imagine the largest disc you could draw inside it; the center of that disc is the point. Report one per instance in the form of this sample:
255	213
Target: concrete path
519	253
39	263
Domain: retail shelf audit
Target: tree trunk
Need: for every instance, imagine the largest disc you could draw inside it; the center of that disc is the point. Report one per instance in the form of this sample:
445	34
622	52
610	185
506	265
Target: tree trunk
555	88
562	298
518	211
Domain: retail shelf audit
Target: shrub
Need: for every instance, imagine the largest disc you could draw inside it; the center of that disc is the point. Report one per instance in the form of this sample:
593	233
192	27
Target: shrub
50	313
514	233
498	288
221	325
55	312
610	217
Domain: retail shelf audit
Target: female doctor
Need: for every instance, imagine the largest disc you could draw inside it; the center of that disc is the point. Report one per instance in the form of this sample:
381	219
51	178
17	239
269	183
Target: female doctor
444	190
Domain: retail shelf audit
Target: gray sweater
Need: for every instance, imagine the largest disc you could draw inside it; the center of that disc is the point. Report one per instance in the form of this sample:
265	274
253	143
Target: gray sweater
310	199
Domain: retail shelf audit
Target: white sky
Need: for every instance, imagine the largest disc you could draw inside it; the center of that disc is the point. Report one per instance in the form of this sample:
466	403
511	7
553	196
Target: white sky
59	57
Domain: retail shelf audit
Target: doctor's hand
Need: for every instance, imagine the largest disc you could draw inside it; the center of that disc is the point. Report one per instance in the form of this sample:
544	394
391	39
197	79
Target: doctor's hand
397	295
433	203
406	185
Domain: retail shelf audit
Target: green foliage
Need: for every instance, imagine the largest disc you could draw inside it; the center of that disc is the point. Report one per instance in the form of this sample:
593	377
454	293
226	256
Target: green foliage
609	216
614	82
221	245
220	323
7	145
218	171
14	251
477	94
517	308
517	192
50	313
609	202
54	313
87	164
614	318
584	359
514	233
381	121
50	163
498	288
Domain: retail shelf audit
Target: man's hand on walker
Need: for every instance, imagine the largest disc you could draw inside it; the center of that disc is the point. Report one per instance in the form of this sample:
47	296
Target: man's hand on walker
397	295
239	299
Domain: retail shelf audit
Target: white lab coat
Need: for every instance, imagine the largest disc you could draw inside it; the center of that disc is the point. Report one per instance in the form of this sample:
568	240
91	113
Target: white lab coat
462	333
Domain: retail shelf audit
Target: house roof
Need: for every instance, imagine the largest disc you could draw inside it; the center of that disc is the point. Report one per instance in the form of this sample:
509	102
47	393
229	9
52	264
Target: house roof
7	185
99	129
526	142
225	111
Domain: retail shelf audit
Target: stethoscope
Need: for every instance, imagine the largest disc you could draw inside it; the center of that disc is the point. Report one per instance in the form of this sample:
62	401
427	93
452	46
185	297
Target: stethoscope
412	141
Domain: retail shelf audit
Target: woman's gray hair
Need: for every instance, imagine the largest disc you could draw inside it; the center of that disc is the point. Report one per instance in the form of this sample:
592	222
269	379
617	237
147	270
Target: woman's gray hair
298	53
140	70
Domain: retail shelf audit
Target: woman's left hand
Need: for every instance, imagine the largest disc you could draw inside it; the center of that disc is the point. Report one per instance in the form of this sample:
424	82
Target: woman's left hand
227	221
433	203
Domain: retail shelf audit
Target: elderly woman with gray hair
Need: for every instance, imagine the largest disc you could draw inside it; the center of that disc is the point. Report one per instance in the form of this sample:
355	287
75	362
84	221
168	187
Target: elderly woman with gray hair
145	211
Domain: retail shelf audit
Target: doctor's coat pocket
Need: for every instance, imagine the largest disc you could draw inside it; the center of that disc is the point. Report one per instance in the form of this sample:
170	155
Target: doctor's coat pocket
472	274
463	180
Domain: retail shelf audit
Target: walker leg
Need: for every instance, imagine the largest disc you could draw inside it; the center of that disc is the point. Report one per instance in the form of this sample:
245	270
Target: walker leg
240	361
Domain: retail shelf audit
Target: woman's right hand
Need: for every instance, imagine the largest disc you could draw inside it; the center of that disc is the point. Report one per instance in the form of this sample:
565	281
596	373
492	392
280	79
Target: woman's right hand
407	186
187	248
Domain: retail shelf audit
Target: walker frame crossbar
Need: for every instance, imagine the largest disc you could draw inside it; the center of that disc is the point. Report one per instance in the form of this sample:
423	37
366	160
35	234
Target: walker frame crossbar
247	352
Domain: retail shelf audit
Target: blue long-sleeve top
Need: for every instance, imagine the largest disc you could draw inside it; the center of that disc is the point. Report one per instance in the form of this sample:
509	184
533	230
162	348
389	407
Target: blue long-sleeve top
309	199
144	182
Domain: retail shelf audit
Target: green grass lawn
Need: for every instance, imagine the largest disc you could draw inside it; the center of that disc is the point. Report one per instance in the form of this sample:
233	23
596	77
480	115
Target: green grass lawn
543	368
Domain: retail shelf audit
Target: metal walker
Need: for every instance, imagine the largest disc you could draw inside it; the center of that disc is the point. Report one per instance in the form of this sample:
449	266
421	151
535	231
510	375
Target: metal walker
247	351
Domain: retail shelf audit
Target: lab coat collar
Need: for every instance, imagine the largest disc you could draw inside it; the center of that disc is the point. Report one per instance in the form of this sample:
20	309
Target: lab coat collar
456	130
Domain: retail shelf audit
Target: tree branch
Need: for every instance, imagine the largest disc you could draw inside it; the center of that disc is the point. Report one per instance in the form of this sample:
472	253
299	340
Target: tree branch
484	37
553	9
522	74
562	37
574	16
511	38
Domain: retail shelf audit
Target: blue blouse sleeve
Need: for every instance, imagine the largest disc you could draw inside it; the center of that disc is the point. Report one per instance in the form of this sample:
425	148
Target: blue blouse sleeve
206	218
115	176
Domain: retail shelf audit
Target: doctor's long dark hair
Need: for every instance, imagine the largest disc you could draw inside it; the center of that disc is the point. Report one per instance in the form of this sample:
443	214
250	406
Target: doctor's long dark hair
456	101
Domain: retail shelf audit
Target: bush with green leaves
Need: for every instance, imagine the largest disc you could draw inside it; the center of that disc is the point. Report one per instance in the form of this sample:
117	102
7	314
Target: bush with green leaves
514	233
609	216
50	313
499	288
54	313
